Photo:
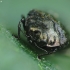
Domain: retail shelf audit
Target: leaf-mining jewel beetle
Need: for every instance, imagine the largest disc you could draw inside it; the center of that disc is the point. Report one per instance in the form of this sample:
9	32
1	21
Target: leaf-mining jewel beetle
43	31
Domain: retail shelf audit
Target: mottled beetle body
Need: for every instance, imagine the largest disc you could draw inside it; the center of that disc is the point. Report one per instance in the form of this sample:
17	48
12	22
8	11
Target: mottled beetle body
43	31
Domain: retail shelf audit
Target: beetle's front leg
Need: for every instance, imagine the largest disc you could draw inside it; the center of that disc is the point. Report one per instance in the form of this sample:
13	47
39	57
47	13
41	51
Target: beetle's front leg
53	50
40	55
19	25
19	29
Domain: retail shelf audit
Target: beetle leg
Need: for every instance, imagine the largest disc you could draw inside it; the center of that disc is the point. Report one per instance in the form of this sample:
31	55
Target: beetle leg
19	29
19	26
40	47
23	21
49	52
40	55
46	52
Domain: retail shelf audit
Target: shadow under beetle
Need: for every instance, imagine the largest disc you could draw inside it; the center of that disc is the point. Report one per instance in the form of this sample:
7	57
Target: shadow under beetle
42	31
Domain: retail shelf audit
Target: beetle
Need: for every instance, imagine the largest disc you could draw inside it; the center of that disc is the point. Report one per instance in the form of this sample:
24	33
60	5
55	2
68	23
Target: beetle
43	31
